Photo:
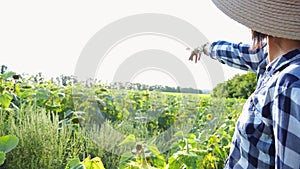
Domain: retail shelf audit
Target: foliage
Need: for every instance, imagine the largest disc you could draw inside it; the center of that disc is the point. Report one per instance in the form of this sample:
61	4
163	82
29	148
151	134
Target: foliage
240	86
88	163
7	143
57	122
43	141
205	146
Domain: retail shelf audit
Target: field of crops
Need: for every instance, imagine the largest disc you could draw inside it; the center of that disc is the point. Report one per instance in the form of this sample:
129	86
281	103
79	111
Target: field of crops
71	125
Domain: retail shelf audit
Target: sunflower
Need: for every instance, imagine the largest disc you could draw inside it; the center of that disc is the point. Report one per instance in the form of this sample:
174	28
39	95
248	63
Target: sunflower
209	116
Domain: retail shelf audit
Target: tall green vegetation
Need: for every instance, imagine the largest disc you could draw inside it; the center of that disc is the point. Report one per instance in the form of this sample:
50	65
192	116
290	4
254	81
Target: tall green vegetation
240	86
43	141
60	124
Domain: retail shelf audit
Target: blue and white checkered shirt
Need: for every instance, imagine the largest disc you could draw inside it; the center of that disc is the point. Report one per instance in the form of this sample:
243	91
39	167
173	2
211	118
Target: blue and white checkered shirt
267	133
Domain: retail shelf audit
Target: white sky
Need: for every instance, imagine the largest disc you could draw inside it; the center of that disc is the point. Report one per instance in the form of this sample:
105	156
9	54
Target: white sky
48	36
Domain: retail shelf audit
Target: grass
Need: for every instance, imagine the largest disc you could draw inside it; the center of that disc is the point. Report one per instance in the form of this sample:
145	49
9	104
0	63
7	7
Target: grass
43	143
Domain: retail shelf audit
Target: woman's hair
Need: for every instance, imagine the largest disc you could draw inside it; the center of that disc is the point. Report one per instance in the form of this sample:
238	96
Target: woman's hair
258	40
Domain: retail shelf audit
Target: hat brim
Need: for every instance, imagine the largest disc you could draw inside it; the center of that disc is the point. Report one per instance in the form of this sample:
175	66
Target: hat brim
278	18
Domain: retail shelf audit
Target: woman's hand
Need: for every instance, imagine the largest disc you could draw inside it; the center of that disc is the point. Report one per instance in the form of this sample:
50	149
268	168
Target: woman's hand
197	52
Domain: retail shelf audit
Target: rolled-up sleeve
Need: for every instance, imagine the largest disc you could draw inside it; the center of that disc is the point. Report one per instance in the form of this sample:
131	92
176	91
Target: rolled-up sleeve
238	55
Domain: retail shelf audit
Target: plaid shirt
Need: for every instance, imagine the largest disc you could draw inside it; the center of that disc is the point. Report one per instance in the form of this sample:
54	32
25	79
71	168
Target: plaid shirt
267	133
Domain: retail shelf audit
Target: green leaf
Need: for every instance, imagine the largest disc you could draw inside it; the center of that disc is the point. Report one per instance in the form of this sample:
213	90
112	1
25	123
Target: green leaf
153	150
7	143
179	134
94	163
2	157
173	162
26	94
158	161
72	163
42	94
191	136
125	158
5	100
7	75
129	139
78	166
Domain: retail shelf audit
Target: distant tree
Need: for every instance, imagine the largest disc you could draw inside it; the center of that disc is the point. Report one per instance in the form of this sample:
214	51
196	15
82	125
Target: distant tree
3	69
240	86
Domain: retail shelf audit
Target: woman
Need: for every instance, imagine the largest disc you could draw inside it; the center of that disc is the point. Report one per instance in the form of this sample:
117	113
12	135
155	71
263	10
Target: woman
267	133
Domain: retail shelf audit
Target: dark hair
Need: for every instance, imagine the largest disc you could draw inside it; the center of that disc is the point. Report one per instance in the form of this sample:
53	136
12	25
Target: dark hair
258	40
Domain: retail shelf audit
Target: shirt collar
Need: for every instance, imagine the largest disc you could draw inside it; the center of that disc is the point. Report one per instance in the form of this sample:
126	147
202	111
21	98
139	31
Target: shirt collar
281	62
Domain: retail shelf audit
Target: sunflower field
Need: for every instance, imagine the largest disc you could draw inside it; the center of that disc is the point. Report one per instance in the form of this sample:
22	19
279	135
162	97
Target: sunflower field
67	124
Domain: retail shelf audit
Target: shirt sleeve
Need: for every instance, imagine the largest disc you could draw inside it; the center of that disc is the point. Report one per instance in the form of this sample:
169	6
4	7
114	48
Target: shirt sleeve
286	126
238	55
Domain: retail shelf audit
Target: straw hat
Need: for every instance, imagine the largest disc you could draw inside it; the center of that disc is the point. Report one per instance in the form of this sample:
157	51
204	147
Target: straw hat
279	18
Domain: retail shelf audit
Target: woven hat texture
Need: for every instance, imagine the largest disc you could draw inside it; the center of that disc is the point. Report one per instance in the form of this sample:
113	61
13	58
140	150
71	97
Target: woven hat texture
278	18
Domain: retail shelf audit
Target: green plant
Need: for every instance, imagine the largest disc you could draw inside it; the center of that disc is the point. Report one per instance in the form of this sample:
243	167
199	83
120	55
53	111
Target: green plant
142	156
88	163
7	143
56	122
43	143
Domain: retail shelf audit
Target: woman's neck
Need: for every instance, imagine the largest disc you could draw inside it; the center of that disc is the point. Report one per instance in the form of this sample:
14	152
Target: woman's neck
279	46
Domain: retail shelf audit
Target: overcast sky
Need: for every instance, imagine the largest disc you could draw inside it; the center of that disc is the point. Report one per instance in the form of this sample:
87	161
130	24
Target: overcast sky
49	36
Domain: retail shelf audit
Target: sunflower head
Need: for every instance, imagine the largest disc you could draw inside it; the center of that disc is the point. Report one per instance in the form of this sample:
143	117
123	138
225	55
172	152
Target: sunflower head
209	116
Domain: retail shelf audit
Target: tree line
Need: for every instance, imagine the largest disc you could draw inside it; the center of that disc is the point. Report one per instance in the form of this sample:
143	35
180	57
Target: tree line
65	80
240	86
